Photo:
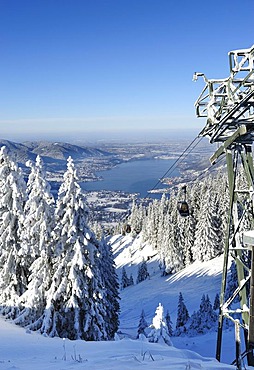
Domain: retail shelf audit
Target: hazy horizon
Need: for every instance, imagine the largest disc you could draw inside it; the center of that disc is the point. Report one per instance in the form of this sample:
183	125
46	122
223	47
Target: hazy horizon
93	137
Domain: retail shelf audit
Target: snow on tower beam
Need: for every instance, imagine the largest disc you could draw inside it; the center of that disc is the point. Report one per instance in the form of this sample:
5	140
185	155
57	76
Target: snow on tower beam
241	60
228	103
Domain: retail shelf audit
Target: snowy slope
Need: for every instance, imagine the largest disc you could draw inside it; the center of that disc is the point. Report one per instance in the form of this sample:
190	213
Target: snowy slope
22	350
193	281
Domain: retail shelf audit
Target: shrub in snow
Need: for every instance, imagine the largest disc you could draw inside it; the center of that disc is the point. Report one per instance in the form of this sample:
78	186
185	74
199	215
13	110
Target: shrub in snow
159	332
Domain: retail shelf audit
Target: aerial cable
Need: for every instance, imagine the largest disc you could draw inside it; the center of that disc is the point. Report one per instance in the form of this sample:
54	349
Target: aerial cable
170	169
207	169
181	156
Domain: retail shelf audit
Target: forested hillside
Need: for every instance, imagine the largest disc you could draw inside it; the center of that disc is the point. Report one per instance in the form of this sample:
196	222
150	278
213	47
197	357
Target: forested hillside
179	241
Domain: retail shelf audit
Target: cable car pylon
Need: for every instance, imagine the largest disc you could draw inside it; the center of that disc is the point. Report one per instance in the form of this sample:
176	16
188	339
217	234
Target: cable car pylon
228	106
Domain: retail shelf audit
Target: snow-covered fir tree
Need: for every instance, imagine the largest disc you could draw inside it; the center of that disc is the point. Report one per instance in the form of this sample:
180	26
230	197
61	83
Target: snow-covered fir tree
143	273
232	282
159	332
216	303
131	280
204	319
110	288
36	244
75	302
13	264
124	279
142	326
182	317
169	324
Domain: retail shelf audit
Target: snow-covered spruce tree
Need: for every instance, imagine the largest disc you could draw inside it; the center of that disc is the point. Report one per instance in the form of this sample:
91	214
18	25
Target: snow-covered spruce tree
75	306
204	319
182	317
232	282
131	280
159	332
174	256
13	265
150	230
125	280
142	326
216	303
136	218
169	324
110	288
143	273
208	243
36	244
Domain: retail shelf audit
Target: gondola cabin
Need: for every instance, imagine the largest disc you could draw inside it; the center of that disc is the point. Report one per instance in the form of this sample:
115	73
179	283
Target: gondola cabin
182	205
183	208
126	229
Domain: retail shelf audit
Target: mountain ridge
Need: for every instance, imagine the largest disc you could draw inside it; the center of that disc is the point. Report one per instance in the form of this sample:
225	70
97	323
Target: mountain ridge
50	150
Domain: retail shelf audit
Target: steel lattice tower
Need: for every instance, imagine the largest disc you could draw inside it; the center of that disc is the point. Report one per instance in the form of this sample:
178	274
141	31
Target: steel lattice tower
228	106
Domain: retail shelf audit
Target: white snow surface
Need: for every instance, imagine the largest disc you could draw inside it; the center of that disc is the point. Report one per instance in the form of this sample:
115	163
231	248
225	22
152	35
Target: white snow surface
25	350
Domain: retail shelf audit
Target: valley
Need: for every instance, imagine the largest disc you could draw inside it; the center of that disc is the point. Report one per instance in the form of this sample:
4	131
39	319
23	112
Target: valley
110	206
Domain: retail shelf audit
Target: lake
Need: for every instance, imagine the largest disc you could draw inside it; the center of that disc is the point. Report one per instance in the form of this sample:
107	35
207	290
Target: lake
133	177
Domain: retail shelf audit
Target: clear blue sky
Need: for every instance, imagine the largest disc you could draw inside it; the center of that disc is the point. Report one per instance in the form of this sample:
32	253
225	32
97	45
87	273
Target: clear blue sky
104	65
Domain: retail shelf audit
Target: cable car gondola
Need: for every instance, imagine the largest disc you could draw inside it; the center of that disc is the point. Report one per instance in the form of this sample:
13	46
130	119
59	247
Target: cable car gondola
182	205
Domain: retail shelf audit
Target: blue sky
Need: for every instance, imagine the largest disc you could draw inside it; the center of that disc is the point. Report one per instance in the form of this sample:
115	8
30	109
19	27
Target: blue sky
79	66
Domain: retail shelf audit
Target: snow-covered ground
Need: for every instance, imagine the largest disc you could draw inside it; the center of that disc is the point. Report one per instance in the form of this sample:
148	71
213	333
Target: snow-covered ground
22	350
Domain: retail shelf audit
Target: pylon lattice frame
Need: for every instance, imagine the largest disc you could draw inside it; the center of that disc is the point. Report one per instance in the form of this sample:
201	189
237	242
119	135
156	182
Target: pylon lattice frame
228	105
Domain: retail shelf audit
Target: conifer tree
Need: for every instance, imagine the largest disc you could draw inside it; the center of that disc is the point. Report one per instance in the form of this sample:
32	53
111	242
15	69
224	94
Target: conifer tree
131	281
182	317
124	279
169	324
208	317
36	244
75	306
216	303
159	332
143	273
232	282
14	269
110	288
142	326
204	319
